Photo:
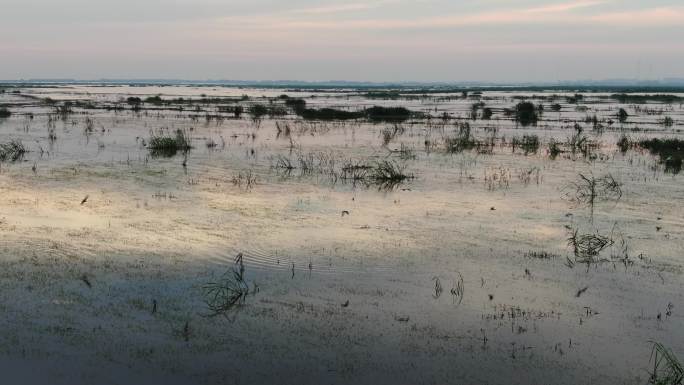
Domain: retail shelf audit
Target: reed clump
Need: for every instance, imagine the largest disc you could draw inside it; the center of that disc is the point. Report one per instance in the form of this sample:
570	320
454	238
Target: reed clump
229	291
667	369
169	145
529	144
526	113
12	151
669	151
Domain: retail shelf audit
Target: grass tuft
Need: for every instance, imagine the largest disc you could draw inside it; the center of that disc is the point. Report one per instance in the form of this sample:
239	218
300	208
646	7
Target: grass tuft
528	143
166	145
12	151
228	292
667	369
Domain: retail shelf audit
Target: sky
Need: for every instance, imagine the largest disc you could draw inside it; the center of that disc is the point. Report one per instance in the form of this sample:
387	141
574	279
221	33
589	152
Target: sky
373	40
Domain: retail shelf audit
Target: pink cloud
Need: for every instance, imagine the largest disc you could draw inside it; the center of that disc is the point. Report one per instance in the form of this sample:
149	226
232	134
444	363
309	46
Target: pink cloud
654	16
558	14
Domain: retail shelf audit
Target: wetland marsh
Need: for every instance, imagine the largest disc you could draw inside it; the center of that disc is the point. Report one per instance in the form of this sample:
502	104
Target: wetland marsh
241	235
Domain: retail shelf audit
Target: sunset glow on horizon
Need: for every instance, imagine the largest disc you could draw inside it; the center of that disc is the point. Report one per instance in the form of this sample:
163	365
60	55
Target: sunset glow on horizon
383	40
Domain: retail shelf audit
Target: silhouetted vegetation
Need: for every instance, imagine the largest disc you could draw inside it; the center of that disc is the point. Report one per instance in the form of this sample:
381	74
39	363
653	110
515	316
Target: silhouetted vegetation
622	115
554	149
134	101
487	113
155	100
330	114
463	141
526	113
624	143
669	151
298	105
639	99
375	114
387	114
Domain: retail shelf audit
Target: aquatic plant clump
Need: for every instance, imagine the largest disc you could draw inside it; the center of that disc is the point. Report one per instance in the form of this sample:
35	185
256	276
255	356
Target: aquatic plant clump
374	114
12	151
589	190
667	369
224	295
587	247
528	143
669	151
526	113
388	171
462	141
228	292
330	114
387	114
166	145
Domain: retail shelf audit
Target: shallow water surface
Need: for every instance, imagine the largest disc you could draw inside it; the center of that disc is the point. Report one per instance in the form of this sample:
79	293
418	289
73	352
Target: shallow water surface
459	273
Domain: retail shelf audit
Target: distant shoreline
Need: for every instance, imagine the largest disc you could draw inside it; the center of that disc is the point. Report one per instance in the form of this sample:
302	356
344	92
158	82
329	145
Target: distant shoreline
673	85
